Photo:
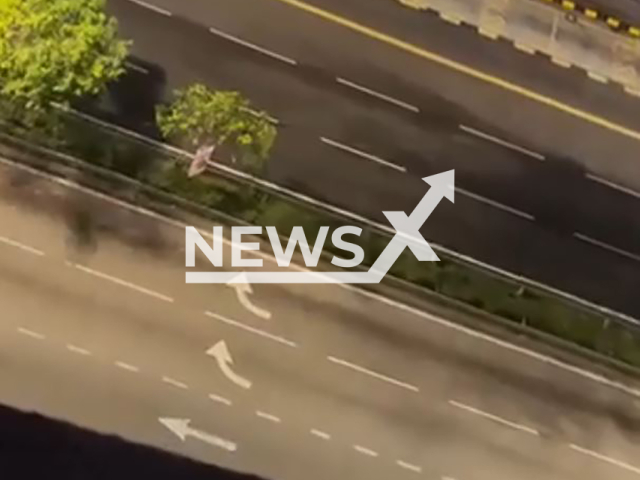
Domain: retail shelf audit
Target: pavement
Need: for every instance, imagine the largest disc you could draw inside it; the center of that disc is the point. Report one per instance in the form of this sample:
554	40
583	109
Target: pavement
99	330
546	159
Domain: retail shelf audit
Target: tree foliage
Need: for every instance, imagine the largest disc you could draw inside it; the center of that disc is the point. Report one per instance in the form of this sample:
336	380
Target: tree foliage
201	116
55	50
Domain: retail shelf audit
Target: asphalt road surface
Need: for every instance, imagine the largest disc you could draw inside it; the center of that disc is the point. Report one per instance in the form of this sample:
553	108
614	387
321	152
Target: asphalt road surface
99	329
542	192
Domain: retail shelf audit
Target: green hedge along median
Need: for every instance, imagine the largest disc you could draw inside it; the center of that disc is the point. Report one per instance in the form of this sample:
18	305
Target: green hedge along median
450	278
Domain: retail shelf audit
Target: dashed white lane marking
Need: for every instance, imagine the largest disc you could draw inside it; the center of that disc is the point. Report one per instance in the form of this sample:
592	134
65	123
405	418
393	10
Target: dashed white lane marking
126	366
606	246
365	451
122	283
524	48
561	62
31	333
219	399
495	418
409	466
78	350
268	416
498	205
360	153
503	143
450	18
175	383
606	459
154	8
320	434
379	95
490	34
253	330
253	46
597	77
21	246
379	376
137	68
613	185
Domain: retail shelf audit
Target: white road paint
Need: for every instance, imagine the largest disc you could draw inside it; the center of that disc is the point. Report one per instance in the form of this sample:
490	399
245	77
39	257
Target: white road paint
360	153
450	18
78	350
137	68
381	96
219	399
221	353
615	186
632	91
243	289
127	366
253	330
253	46
409	466
493	203
175	383
181	428
490	34
415	312
268	416
379	376
30	333
320	434
365	451
494	418
524	48
122	283
606	246
597	77
501	142
561	62
21	246
154	8
606	459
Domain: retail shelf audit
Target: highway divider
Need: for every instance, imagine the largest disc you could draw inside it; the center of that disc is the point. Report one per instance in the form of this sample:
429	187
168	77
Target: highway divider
239	198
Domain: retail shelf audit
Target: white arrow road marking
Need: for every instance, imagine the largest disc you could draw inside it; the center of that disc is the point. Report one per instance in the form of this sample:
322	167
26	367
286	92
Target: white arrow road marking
180	427
243	289
221	353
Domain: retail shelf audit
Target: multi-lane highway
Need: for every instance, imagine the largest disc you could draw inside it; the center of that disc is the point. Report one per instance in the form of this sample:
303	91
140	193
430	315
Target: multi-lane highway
336	384
546	159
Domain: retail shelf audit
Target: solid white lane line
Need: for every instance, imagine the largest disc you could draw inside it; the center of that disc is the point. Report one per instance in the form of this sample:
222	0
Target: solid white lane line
503	143
253	46
631	91
268	416
450	18
154	8
606	246
379	376
78	350
137	68
360	153
490	34
365	451
175	383
597	77
219	399
253	330
524	48
493	203
613	185
320	434
31	333
21	246
604	458
123	283
409	466
495	418
561	62
126	366
379	95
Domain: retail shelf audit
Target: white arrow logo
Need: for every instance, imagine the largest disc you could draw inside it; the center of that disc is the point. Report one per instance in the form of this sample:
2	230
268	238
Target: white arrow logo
180	427
407	235
243	289
221	353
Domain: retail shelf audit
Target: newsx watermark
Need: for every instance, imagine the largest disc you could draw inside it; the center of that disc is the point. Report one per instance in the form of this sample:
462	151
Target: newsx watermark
407	235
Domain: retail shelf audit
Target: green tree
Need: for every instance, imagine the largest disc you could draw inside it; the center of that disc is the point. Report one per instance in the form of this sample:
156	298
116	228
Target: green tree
56	50
200	117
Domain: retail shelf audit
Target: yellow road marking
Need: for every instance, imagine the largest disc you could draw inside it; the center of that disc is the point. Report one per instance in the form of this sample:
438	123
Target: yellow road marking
465	69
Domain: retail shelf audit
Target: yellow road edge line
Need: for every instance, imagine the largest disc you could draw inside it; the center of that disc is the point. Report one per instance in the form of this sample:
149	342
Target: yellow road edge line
461	68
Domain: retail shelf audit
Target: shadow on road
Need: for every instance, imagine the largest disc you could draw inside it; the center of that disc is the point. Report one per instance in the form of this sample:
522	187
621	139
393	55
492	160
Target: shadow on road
36	447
